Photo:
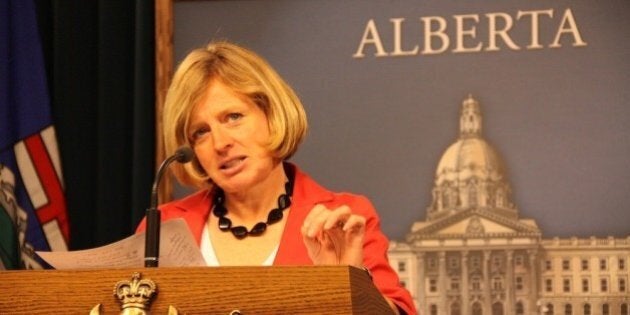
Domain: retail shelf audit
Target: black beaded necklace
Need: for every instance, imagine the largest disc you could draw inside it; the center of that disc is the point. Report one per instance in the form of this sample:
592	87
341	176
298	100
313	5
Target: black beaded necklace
275	215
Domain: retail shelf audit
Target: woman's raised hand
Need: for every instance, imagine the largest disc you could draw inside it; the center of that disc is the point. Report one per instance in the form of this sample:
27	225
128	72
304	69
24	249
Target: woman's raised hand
334	236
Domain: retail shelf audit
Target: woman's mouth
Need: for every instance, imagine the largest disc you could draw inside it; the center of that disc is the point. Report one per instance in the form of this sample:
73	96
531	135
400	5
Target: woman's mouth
232	164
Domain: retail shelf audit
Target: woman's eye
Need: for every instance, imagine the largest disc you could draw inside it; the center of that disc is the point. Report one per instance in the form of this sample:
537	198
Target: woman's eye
234	116
198	133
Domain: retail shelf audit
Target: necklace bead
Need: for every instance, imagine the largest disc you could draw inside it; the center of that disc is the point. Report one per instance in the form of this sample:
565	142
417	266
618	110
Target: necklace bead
225	224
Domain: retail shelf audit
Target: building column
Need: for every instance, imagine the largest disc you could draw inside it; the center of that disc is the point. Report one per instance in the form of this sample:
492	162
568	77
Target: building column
420	285
487	284
465	286
509	281
442	309
533	281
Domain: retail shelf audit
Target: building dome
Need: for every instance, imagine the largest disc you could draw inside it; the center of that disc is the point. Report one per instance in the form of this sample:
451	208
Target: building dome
470	174
468	158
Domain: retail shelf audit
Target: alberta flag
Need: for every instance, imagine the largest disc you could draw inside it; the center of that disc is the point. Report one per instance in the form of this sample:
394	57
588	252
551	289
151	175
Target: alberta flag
32	203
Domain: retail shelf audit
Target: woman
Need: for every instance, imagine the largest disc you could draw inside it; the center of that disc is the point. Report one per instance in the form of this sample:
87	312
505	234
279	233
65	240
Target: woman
253	208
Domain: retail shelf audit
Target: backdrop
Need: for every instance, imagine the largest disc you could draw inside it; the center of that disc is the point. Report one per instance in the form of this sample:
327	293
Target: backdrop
100	66
383	82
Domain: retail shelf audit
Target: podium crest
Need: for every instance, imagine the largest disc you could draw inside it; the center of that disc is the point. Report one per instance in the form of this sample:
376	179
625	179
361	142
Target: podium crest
135	295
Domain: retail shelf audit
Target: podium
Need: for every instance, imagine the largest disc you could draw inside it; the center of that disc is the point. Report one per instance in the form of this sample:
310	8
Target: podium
197	290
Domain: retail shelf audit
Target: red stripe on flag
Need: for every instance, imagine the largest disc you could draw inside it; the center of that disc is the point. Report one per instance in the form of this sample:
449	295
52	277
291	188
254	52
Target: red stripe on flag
55	209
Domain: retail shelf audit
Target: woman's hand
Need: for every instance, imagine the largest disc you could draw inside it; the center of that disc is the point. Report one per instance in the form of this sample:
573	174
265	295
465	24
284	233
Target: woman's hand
334	236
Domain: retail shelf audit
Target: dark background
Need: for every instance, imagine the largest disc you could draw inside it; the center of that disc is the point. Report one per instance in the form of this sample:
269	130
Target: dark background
100	63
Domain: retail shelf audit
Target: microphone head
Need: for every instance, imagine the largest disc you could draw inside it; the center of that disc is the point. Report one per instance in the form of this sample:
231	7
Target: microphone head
184	154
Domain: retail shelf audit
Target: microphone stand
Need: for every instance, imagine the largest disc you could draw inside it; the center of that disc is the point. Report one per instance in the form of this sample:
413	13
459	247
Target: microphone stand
152	235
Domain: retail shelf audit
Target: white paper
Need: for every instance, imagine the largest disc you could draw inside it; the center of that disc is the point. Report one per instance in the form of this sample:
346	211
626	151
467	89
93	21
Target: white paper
177	249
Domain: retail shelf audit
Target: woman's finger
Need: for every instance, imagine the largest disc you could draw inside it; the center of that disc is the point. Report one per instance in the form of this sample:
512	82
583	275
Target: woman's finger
337	217
317	221
354	223
308	221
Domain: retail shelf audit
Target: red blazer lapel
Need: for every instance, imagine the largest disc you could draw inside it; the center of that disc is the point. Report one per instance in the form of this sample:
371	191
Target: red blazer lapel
306	194
194	209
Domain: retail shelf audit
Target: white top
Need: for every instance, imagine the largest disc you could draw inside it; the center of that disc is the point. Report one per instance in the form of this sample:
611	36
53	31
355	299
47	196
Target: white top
211	257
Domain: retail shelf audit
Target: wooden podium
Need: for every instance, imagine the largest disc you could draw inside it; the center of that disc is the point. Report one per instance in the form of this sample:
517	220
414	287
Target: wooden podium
197	290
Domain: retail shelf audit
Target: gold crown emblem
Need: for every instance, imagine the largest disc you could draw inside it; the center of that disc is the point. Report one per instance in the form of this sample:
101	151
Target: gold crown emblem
135	295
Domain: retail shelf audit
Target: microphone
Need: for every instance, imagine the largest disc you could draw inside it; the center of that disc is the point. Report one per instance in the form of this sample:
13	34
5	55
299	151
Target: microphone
152	235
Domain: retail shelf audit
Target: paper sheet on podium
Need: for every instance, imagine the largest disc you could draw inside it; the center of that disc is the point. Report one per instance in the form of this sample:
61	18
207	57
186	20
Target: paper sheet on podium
177	249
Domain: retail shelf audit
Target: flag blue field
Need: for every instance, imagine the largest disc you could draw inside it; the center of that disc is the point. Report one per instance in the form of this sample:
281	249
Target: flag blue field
33	213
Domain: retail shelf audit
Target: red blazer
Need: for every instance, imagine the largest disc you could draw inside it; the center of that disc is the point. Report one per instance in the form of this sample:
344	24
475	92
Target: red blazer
306	194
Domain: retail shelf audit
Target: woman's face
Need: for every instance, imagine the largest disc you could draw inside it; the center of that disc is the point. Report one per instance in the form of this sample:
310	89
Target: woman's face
229	133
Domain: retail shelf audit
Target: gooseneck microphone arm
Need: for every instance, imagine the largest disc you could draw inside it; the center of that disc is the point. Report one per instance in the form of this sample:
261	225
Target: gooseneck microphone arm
152	235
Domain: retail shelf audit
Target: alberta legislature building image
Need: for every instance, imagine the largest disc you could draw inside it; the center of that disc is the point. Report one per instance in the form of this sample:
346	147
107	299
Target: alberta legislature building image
474	255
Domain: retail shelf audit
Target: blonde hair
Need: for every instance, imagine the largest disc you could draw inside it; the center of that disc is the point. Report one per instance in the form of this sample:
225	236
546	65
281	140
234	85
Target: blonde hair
246	73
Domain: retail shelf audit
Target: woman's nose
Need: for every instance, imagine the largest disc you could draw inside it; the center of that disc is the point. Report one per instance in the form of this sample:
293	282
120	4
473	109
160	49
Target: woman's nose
221	139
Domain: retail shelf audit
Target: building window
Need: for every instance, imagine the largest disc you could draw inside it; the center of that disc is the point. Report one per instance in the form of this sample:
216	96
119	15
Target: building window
433	309
518	260
566	285
622	264
568	309
604	285
455	284
403	284
455	309
622	285
566	264
548	265
605	309
602	264
402	267
497	308
585	286
432	285
497	283
519	309
499	198
584	264
453	262
519	283
431	263
472	196
587	309
476	283
475	262
476	309
496	262
549	309
624	309
548	285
